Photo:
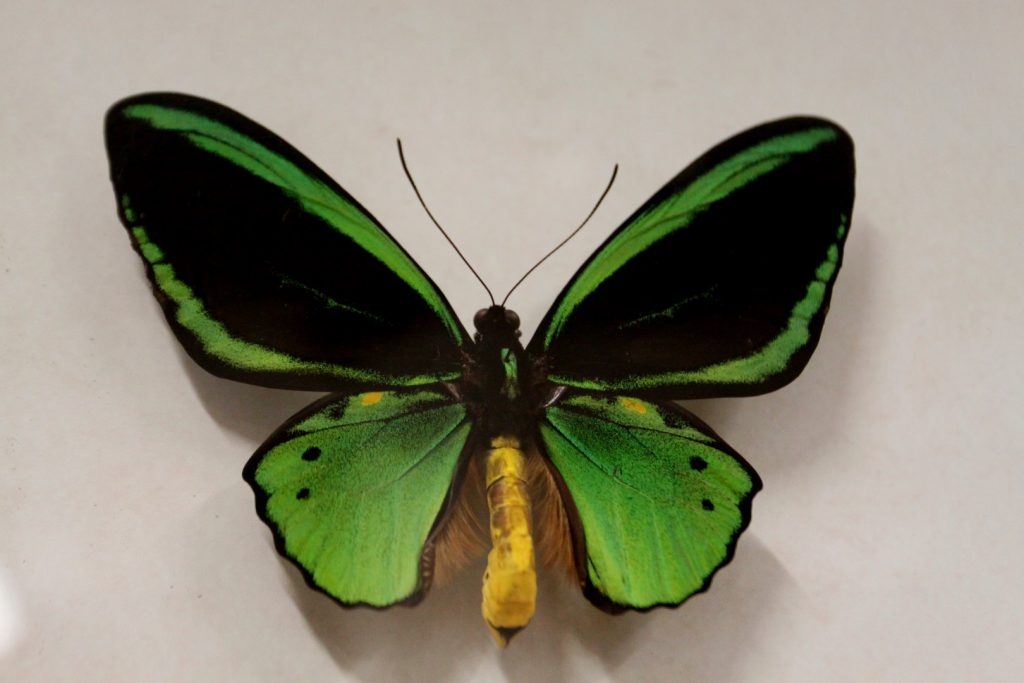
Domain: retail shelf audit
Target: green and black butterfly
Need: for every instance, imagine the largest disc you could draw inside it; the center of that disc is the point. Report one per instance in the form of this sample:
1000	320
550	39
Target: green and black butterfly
270	273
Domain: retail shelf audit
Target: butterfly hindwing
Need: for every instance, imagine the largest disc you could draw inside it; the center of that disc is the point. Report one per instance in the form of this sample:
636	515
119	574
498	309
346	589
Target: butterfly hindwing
354	486
656	499
267	270
719	284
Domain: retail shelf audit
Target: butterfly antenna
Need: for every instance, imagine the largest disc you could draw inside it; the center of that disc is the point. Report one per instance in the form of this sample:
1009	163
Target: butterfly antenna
615	172
405	167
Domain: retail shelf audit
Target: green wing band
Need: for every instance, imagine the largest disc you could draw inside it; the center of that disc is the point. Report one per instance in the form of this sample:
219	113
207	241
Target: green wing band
353	487
770	359
676	212
217	341
659	499
313	195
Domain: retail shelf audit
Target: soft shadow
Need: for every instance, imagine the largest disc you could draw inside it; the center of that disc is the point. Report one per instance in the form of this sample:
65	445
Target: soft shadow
250	411
796	424
442	638
707	635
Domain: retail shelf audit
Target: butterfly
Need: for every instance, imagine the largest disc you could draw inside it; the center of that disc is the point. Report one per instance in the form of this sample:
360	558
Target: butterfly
570	446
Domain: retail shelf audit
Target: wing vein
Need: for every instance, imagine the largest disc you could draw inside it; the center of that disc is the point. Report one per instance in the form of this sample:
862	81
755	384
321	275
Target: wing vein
593	462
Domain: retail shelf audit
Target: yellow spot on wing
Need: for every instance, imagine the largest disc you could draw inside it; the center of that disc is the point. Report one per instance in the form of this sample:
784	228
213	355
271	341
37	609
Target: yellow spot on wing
372	397
634	405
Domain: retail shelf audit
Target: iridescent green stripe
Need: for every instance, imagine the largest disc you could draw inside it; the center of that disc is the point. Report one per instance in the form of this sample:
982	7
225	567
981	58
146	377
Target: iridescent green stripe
770	359
218	341
313	195
510	388
676	212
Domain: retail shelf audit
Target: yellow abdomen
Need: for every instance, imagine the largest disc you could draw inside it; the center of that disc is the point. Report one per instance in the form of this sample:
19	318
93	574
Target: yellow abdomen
510	582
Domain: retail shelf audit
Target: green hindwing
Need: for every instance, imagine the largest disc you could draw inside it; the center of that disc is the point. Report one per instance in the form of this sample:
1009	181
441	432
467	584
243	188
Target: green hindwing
268	271
656	497
719	284
353	486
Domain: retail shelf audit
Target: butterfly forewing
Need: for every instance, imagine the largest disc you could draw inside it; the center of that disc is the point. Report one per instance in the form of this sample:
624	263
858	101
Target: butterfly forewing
267	270
719	284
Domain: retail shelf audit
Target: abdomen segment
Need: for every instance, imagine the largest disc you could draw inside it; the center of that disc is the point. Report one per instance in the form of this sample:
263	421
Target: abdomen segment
510	582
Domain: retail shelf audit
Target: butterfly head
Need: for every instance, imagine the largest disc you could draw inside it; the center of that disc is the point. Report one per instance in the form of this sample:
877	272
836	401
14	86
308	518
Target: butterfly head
497	325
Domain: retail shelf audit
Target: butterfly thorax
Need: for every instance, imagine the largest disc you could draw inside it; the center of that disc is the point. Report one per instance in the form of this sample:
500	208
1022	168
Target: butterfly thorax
498	379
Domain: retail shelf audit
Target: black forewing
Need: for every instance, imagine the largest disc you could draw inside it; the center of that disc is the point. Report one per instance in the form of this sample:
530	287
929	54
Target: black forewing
267	270
719	284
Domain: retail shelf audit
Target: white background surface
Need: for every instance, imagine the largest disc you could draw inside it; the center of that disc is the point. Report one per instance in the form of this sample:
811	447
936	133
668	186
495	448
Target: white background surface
888	543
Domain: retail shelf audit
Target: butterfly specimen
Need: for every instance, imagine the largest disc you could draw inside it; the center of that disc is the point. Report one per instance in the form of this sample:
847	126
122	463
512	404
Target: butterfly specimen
270	273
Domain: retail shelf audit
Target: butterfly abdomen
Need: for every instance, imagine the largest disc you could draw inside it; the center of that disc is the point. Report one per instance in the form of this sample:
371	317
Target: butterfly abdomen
510	581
